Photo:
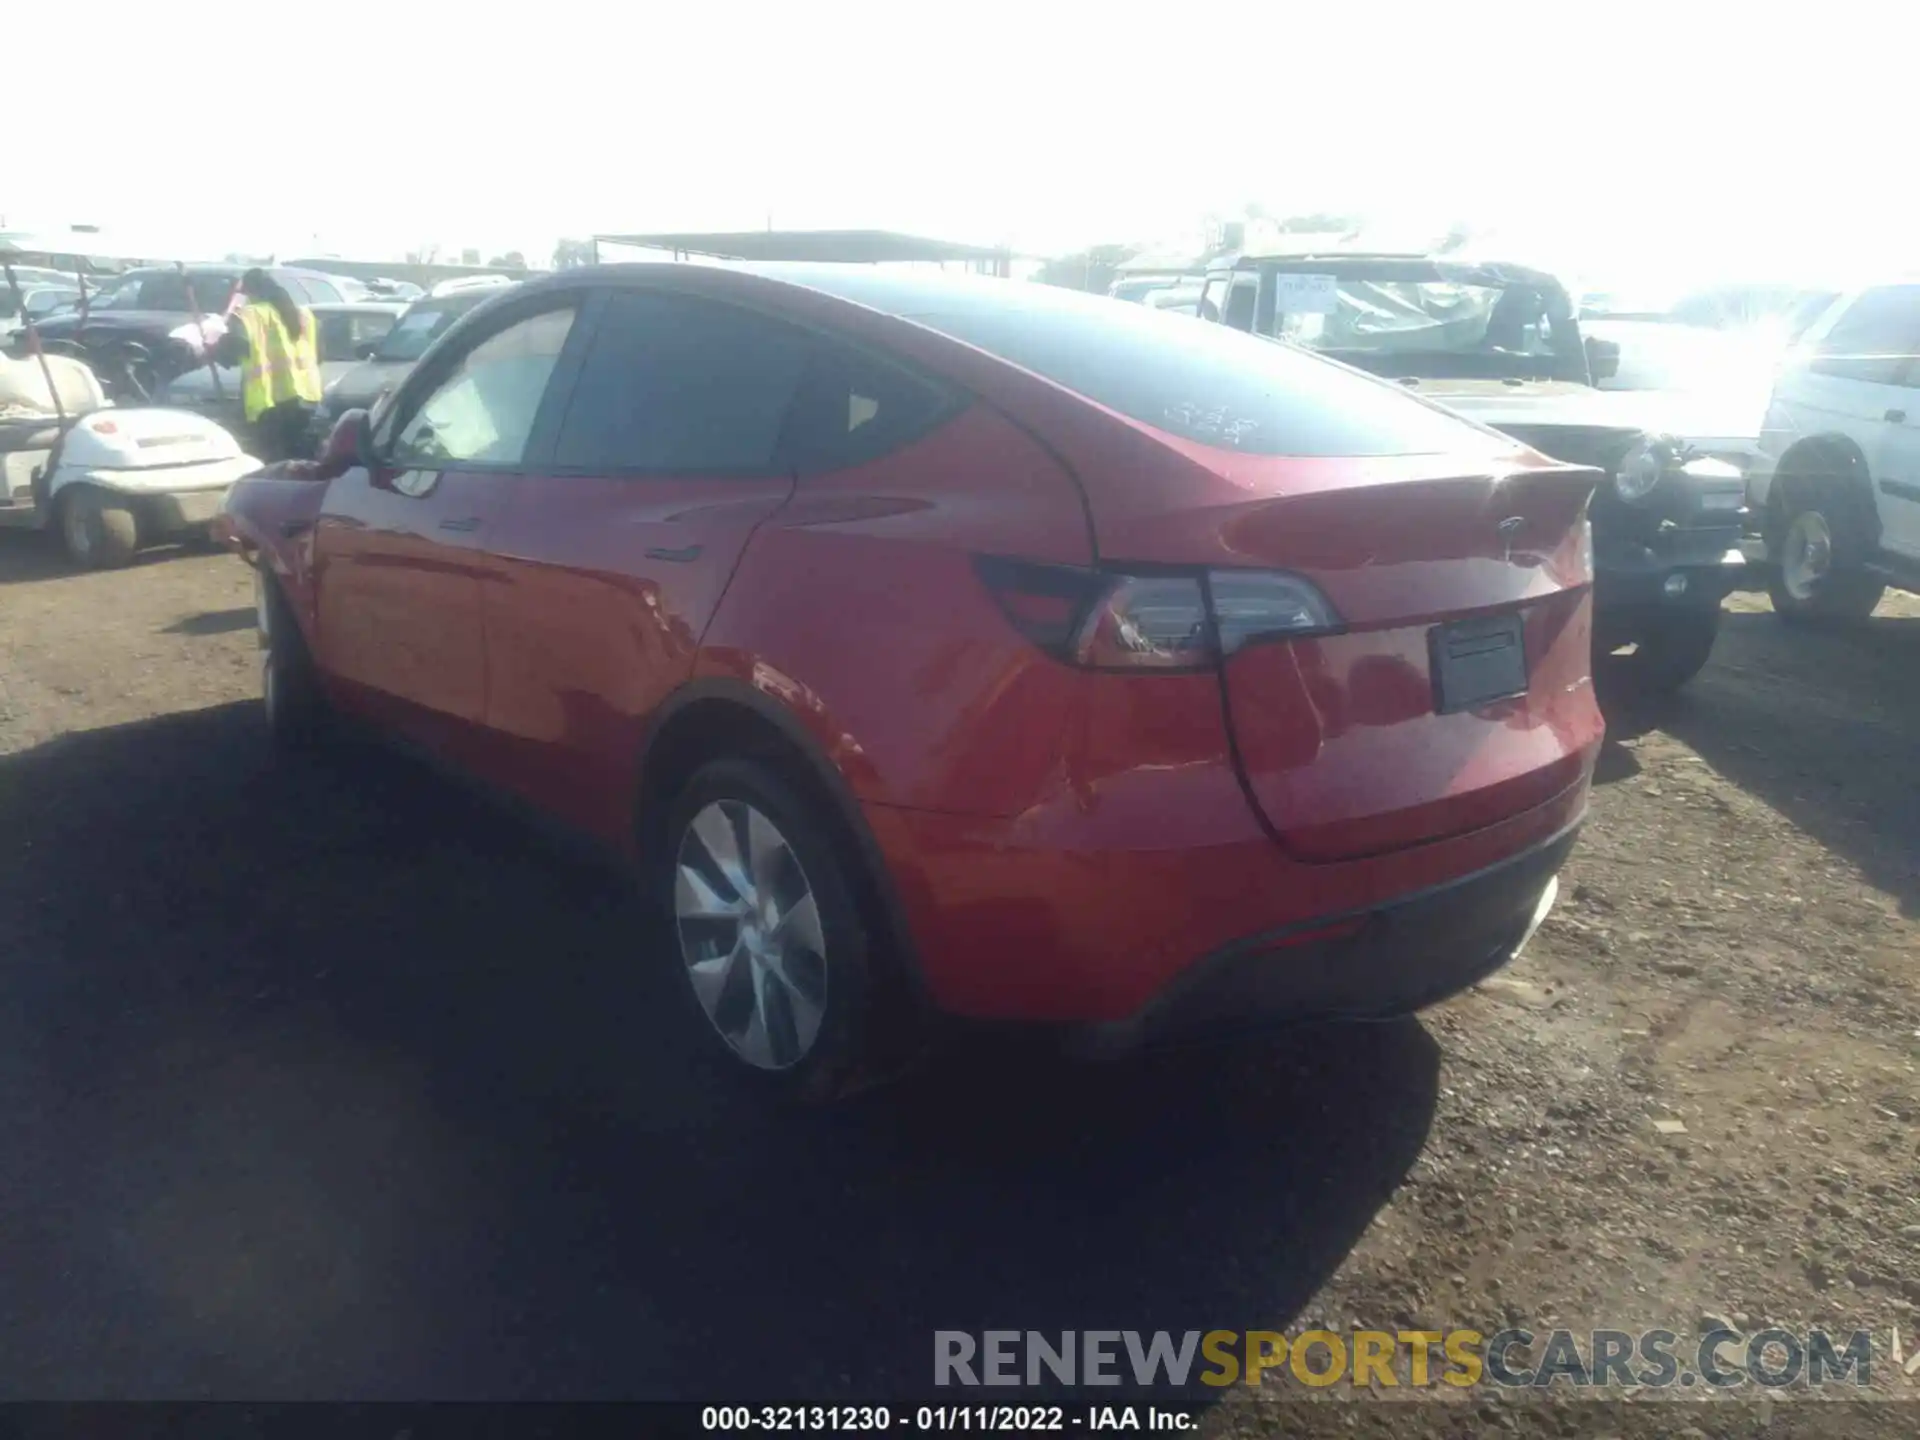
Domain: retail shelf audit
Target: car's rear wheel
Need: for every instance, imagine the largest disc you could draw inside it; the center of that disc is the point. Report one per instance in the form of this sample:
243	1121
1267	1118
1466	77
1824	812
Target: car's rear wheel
98	529
1819	552
770	943
291	696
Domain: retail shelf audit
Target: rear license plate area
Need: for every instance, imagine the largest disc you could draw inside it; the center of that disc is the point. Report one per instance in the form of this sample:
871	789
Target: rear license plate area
1476	662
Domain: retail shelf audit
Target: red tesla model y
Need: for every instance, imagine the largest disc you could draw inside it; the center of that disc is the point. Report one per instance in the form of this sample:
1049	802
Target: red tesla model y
942	645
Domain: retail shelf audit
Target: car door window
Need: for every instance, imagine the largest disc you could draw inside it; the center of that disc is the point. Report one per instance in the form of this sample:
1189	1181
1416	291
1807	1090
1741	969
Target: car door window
168	293
365	331
1240	302
483	411
1211	295
336	338
675	384
1875	340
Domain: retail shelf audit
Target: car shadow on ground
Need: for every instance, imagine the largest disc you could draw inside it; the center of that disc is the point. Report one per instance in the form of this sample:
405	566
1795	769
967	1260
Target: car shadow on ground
1823	725
28	556
214	622
328	1080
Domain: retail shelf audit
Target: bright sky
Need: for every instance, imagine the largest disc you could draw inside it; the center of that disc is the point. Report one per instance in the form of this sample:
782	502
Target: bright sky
1589	131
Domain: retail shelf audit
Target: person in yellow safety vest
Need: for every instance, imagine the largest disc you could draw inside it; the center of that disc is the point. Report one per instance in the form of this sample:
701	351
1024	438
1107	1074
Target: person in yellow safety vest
276	343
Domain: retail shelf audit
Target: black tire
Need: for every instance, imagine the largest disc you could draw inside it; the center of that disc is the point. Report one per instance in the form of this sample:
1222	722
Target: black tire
1845	592
1670	655
98	529
291	696
841	1054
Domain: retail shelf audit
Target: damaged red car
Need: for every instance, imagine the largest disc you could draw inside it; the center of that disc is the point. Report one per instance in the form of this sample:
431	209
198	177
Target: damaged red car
940	646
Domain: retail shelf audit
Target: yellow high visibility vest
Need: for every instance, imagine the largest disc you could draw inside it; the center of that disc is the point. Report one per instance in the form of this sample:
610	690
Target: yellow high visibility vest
279	366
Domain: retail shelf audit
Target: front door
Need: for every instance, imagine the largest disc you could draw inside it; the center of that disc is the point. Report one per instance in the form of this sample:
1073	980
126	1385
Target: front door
401	563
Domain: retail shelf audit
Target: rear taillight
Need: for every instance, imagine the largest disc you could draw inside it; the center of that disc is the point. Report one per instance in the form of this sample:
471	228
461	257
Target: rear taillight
1112	620
1145	622
1250	605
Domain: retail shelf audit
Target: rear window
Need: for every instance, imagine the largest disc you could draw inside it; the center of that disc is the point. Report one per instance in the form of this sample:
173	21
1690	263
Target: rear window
1204	382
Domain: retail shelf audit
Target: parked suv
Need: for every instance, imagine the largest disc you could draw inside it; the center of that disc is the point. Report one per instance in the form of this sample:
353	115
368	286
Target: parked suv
135	331
1837	492
1500	343
942	644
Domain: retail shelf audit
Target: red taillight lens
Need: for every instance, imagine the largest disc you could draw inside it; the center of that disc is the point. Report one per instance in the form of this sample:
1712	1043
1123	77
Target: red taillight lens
1109	620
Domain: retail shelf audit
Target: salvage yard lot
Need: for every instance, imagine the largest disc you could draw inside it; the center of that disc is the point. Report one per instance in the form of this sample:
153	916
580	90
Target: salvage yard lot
331	1082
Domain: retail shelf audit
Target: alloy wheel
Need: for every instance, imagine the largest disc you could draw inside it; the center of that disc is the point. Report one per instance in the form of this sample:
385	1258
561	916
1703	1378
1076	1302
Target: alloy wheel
750	935
1807	557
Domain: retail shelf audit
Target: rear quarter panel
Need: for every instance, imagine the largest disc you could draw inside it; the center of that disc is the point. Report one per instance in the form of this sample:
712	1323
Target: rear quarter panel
857	608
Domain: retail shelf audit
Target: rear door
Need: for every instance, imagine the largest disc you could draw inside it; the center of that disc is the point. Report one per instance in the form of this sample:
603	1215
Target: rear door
613	557
400	558
1896	467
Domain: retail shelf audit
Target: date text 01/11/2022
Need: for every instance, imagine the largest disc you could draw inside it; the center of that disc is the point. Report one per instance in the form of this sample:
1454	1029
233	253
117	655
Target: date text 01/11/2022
935	1419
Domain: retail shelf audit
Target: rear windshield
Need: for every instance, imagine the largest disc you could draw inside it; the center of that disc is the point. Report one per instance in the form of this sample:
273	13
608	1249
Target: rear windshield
1205	382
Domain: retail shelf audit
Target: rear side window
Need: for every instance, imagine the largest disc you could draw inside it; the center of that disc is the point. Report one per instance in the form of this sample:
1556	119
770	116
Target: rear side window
678	384
1207	382
1875	338
853	407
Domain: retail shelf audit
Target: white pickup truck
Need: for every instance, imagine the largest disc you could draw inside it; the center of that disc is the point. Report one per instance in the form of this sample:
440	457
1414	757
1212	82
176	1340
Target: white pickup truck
1837	483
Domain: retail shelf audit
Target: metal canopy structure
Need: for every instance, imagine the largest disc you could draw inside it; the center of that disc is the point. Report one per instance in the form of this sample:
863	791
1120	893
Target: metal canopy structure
423	274
854	247
91	251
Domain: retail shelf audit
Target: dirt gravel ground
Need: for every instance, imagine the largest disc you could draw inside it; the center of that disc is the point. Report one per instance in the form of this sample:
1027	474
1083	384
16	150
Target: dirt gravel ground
329	1084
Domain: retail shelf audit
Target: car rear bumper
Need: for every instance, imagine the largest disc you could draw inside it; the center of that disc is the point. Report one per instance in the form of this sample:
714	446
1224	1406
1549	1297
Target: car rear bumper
1376	965
1098	925
201	477
1674	571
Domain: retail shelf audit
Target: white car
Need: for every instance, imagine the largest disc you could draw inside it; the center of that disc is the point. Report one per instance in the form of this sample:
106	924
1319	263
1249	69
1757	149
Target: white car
1837	484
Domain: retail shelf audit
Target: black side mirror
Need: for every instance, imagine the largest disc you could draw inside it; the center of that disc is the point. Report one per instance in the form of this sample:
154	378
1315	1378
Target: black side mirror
349	443
365	349
1603	358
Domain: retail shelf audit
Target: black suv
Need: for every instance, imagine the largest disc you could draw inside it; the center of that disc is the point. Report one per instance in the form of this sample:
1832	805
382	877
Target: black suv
1501	344
126	331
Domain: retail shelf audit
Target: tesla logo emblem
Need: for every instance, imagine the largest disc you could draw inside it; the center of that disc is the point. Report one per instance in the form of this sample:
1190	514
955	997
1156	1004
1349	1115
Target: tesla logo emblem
1509	529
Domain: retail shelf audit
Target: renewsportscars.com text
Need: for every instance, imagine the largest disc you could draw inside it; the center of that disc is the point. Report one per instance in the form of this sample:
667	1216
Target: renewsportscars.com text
1651	1359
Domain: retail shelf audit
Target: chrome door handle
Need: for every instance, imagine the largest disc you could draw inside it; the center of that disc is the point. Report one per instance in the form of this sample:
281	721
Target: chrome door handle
1895	417
472	522
665	552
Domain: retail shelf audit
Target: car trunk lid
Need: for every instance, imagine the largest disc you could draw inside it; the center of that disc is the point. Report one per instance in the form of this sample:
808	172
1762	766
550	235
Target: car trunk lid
1456	691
